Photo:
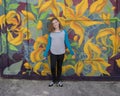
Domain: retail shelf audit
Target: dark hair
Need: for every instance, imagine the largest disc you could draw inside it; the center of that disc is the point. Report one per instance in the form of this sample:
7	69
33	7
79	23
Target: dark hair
50	26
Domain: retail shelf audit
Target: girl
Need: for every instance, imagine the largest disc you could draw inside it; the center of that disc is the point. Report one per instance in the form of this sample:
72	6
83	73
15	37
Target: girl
57	40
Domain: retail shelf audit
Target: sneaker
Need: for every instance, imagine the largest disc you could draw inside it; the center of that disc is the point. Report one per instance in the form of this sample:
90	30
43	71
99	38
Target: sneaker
51	84
60	84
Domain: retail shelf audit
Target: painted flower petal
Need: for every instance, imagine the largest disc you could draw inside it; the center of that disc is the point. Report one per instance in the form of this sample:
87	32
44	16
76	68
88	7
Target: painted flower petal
67	12
17	40
79	67
87	49
78	30
88	22
118	34
39	25
105	32
2	21
69	2
116	41
81	8
62	6
106	17
40	40
0	2
101	69
10	15
102	61
37	67
94	48
35	55
62	21
45	6
97	6
28	15
39	4
55	10
27	65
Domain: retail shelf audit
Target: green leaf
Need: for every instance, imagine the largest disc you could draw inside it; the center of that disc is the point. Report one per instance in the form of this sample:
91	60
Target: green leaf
12	6
8	1
69	56
3	37
34	10
74	44
108	9
4	43
44	15
13	69
32	24
73	62
12	47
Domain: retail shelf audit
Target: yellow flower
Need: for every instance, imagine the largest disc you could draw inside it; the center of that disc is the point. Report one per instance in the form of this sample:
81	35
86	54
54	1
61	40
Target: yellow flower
37	67
69	2
28	15
114	37
27	34
17	40
39	46
36	55
40	42
50	4
0	2
75	37
79	67
76	18
89	48
10	19
106	17
16	33
98	65
2	21
97	6
113	7
40	2
46	70
39	25
27	65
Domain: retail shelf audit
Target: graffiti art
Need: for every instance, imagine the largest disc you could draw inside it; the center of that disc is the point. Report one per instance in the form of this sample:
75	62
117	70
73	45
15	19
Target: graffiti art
93	28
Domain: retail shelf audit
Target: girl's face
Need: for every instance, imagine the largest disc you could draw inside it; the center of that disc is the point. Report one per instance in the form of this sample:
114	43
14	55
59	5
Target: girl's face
55	23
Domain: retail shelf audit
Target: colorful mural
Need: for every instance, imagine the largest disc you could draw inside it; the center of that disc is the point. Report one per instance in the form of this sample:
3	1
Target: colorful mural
94	32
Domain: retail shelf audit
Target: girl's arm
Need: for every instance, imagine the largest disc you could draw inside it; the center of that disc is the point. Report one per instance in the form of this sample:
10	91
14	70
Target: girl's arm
67	42
47	47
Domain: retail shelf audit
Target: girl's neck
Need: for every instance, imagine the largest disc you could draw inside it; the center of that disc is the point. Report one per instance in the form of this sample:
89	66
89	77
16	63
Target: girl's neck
57	30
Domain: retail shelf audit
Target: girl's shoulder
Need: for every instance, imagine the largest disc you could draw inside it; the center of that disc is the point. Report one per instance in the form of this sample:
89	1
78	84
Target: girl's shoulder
65	31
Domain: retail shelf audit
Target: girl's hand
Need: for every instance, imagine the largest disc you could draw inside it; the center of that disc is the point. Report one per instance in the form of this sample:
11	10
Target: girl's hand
45	58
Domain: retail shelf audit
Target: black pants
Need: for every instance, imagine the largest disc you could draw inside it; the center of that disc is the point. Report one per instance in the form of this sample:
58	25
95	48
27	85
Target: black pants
56	66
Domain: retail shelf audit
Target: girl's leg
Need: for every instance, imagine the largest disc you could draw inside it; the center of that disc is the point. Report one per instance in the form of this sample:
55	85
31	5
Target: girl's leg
53	61
59	66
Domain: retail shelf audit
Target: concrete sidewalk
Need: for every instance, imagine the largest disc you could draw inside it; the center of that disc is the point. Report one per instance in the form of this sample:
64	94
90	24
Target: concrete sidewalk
15	87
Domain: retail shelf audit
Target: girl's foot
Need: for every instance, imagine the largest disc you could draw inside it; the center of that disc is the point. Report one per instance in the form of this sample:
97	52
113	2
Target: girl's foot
60	84
51	84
